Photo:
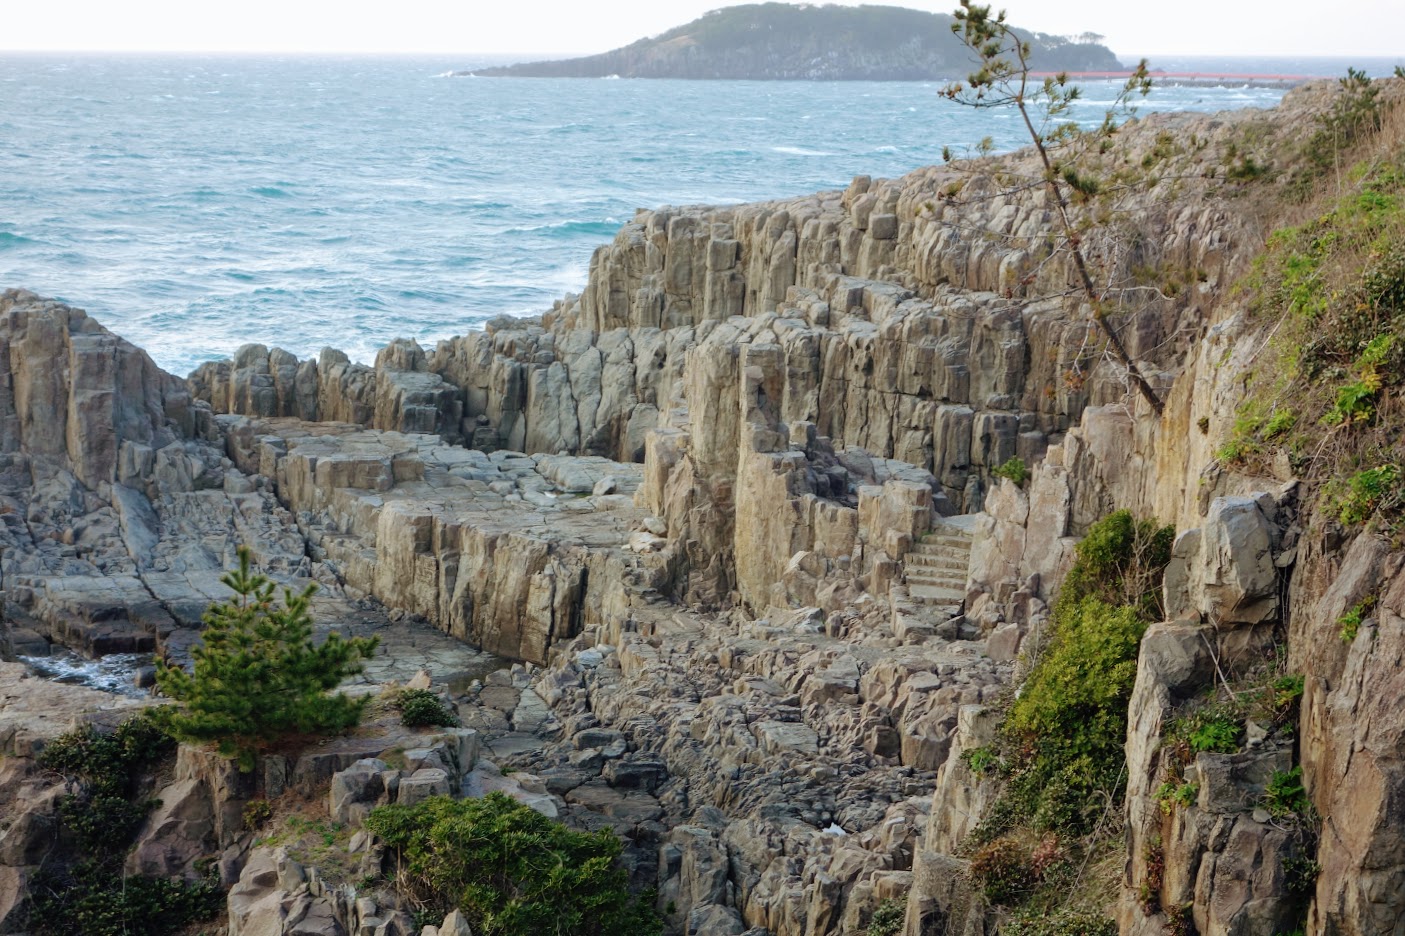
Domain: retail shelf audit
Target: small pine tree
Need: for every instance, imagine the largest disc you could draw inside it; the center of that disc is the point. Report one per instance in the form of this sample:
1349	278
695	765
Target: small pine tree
258	675
1005	79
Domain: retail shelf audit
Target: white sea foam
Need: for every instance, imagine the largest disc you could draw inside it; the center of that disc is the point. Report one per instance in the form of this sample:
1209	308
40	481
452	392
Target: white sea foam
115	673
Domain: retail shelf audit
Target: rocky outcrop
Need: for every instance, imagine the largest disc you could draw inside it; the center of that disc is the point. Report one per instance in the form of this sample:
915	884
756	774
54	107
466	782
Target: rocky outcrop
719	506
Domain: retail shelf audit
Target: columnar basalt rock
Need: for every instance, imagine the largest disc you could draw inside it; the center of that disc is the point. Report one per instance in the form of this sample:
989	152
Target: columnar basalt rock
690	497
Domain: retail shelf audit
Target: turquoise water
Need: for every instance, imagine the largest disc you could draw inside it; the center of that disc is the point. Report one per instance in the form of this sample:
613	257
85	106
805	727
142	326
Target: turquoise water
195	203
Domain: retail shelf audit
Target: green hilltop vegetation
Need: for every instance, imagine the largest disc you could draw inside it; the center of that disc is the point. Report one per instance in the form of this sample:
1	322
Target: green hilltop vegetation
781	41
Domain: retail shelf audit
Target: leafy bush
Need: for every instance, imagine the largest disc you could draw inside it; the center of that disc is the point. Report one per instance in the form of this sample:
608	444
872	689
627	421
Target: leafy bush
1301	875
887	919
1069	725
1364	492
104	769
1285	794
981	759
1120	561
421	708
1001	871
1287	691
256	813
1061	743
510	870
258	675
1171	795
1214	734
1351	622
108	764
1014	469
95	897
98	900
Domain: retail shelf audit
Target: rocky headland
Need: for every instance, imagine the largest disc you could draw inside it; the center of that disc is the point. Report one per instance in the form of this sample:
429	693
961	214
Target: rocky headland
733	517
780	41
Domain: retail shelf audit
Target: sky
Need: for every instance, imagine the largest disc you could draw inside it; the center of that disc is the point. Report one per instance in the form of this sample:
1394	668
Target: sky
561	27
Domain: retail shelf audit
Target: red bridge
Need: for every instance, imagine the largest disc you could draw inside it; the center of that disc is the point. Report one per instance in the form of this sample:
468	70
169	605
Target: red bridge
1188	76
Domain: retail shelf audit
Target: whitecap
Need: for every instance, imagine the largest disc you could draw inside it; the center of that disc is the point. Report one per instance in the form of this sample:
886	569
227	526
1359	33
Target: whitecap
798	151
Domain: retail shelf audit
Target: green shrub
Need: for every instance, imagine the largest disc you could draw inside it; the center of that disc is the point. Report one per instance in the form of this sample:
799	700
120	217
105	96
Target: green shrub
1285	794
108	764
94	897
421	708
1215	735
510	870
1358	499
99	900
887	919
1300	873
258	674
256	813
1001	871
1015	470
1171	795
1350	623
981	759
1060	746
1069	725
104	769
1288	690
1120	560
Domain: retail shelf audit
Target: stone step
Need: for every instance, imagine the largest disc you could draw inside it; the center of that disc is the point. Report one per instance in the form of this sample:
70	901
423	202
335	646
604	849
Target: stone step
933	594
942	544
957	569
955	563
922	571
956	586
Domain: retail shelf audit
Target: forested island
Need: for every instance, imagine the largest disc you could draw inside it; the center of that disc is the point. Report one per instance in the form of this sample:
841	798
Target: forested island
781	41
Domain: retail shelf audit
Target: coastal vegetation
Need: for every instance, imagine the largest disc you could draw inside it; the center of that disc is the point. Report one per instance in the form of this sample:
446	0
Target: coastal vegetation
1059	755
510	870
258	675
108	775
1329	292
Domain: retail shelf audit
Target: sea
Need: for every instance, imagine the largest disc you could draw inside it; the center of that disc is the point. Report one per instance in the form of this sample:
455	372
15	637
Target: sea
194	203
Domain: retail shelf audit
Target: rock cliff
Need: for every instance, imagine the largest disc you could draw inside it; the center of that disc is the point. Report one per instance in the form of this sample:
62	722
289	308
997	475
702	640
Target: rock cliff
734	508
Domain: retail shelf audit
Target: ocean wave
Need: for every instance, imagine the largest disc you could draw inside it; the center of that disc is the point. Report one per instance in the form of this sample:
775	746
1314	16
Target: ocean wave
571	227
114	673
384	204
